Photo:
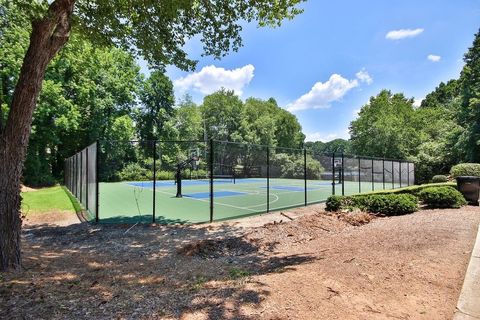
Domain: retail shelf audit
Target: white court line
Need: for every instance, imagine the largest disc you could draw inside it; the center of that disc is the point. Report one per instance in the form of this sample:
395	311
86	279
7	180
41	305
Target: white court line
208	201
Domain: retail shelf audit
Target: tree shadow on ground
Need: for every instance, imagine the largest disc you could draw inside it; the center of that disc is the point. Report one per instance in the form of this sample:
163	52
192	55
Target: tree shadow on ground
119	271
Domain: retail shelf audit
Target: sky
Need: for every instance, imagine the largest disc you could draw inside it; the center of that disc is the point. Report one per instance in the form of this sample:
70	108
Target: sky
325	64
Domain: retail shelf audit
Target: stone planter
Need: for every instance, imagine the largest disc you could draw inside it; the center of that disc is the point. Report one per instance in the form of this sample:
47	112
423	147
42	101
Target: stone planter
469	186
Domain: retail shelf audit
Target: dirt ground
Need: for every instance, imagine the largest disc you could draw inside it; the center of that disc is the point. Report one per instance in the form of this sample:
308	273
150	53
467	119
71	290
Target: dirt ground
316	266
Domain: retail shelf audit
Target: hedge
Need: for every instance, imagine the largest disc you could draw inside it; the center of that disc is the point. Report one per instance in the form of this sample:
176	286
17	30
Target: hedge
465	169
412	189
387	204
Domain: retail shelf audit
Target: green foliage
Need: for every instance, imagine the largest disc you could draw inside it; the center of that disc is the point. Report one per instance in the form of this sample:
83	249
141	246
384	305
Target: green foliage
157	99
469	113
336	145
386	204
284	165
465	169
135	172
439	178
334	203
158	30
384	127
414	190
390	204
442	197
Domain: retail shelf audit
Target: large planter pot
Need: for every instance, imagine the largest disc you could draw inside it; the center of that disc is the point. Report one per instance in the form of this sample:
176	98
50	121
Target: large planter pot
469	186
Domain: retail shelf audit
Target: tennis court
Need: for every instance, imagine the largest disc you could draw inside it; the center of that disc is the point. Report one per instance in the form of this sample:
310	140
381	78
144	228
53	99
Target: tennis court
136	181
126	202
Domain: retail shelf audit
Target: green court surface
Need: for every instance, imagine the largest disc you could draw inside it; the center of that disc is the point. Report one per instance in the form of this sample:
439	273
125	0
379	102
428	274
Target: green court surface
130	202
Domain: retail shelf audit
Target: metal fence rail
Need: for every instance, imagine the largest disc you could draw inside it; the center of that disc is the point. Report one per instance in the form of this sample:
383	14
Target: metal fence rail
138	181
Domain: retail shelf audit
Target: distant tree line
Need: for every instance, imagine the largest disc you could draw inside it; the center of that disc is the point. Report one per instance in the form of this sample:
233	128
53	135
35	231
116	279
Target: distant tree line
443	131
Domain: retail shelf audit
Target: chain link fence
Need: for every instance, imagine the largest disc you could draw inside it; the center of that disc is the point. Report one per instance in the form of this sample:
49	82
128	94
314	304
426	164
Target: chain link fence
197	181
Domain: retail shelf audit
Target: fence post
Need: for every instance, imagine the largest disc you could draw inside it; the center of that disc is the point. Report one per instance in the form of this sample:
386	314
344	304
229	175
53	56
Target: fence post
408	174
400	172
333	173
268	179
393	175
373	178
305	173
86	175
97	161
343	174
383	172
359	175
211	180
81	176
154	177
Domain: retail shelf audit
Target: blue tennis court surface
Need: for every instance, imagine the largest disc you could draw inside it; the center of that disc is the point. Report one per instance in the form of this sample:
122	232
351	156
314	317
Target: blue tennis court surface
216	194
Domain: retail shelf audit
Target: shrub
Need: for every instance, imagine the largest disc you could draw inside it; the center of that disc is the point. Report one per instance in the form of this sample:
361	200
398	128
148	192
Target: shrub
439	178
387	204
465	169
134	172
391	204
442	197
334	203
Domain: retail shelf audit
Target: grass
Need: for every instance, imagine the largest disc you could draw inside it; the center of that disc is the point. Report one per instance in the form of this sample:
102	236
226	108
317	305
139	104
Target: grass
48	199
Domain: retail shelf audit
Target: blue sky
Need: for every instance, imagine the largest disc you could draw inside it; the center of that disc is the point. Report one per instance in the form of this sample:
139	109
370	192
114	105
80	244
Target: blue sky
326	63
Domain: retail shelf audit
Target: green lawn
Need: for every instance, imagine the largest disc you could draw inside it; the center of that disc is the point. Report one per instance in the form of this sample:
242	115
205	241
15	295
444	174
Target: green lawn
47	199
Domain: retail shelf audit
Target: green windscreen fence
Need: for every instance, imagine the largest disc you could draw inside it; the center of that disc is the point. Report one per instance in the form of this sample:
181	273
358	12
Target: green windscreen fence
177	182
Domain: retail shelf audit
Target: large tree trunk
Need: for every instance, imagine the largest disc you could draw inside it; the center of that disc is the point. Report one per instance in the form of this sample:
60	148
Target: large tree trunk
48	36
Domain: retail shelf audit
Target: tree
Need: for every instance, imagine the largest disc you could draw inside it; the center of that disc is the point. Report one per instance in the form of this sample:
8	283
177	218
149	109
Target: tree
157	101
288	131
386	127
336	145
222	113
469	116
156	30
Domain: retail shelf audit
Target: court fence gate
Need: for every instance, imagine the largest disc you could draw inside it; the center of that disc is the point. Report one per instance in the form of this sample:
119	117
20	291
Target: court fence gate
136	181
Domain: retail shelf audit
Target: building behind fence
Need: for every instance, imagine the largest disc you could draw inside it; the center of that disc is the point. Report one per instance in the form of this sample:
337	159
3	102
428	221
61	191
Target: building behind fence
132	181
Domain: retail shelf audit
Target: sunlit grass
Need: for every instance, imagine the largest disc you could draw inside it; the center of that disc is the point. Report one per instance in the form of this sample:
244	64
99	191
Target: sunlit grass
47	199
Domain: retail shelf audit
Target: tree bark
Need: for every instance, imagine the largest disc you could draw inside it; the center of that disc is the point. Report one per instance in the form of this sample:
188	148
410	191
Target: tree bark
48	36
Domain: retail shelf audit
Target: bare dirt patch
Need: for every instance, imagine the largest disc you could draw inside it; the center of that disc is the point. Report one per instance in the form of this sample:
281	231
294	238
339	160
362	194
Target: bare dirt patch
318	266
27	189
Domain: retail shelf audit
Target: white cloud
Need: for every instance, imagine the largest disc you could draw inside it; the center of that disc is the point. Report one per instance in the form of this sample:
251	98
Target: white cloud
417	102
434	58
325	137
323	93
363	76
403	33
212	78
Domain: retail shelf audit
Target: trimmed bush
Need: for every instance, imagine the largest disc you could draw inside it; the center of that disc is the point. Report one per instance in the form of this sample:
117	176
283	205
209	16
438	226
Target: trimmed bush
334	203
439	178
392	204
465	169
442	197
387	204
